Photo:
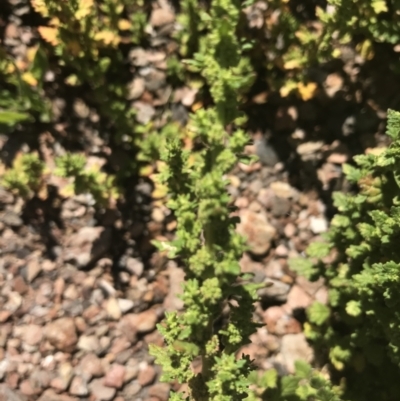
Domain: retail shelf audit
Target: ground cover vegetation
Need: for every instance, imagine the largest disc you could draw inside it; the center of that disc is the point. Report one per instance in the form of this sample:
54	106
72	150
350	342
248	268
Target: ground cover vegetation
72	124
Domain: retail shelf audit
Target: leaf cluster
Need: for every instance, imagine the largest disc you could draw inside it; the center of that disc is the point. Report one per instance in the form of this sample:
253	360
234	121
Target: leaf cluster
206	240
359	330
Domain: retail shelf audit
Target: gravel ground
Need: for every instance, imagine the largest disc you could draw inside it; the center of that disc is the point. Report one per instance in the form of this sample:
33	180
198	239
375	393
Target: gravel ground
81	291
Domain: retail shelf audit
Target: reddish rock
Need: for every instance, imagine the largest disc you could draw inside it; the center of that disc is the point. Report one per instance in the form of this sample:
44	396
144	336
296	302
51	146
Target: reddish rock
146	376
311	287
12	380
40	379
131	390
297	298
51	395
119	344
160	17
101	392
115	376
91	313
258	231
131	372
295	347
4	315
322	295
160	391
6	394
140	322
62	334
279	322
290	230
33	269
28	389
79	387
20	286
64	376
91	366
33	334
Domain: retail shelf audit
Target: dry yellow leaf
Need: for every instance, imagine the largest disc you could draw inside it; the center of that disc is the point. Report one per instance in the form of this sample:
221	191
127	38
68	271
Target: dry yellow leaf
307	91
29	79
21	65
375	151
43	192
197	106
107	37
336	53
72	80
160	165
191	160
49	34
366	49
31	53
10	68
292	64
84	9
67	191
54	22
124	25
287	88
40	7
146	171
160	191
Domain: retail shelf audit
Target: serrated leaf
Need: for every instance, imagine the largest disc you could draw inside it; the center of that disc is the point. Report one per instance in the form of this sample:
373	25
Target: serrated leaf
302	266
304	392
302	369
353	308
318	250
289	385
352	173
318	313
269	379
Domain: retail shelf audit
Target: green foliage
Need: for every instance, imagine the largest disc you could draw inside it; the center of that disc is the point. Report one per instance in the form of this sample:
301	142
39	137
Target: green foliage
26	176
304	385
206	239
360	328
87	180
22	97
86	37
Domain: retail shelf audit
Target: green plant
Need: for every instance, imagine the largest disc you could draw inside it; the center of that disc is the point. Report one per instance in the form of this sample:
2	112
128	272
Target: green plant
86	38
304	385
206	240
22	96
87	180
25	178
360	330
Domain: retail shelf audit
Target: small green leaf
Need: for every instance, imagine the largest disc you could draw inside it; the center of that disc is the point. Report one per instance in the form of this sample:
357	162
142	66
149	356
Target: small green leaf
11	118
302	266
269	379
318	313
318	250
289	385
353	308
303	369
